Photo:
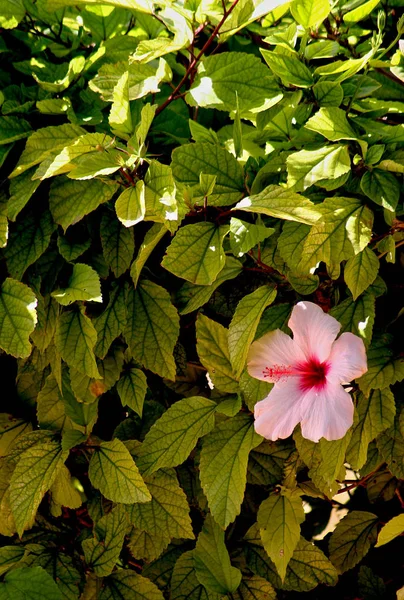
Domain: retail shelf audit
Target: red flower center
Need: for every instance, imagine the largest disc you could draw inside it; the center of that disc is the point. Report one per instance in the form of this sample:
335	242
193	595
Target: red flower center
313	374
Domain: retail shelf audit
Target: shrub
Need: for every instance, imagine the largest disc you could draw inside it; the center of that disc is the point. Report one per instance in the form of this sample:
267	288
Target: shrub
177	177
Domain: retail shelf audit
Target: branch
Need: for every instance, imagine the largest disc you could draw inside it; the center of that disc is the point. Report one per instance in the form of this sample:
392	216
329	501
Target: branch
194	62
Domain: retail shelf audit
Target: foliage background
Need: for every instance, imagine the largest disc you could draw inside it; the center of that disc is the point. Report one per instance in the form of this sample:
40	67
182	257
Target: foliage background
175	177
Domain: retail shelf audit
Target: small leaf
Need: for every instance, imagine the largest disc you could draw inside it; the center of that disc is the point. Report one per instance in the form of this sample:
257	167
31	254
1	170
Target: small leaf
152	328
352	539
306	167
381	187
289	69
17	317
117	244
184	582
113	471
361	271
371	587
132	388
145	546
151	239
390	530
196	253
213	351
63	491
244	236
279	518
111	323
12	129
212	562
357	317
126	583
244	324
131	205
75	339
174	435
223	466
120	118
310	13
383	368
103	550
332	123
84	284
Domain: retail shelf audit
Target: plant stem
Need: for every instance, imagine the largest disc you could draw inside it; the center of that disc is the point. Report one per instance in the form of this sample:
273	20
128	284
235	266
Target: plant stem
194	62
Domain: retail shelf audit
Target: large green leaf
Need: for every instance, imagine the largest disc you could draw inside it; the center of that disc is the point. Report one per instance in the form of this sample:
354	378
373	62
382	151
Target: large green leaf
223	466
132	388
375	413
75	339
84	284
111	323
17	317
289	69
10	429
357	317
113	471
126	583
309	13
29	583
244	236
275	201
35	472
212	562
12	129
50	409
352	539
130	206
332	124
381	187
361	271
279	518
142	80
21	190
120	118
222	76
103	550
117	244
196	253
70	200
145	546
213	351
184	583
160	195
383	368
307	167
244	324
152	328
190	160
168	511
174	435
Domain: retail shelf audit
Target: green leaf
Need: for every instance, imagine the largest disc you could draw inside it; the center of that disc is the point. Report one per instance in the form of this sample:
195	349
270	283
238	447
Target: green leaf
75	339
223	466
21	190
146	118
29	584
151	239
132	388
35	472
244	236
9	556
381	187
352	539
111	323
27	242
145	546
130	206
212	562
84	284
390	530
332	124
357	317
267	461
125	583
196	296
113	471
50	408
306	167
289	69
391	446
256	588
10	429
43	142
117	244
160	195
96	164
196	253
63	491
360	12
279	518
12	129
168	511
223	76
281	203
70	201
310	13
17	317
142	80
69	249
174	435
189	160
383	368
11	13
103	550
120	118
184	583
213	351
344	69
371	587
375	413
361	271
176	22
244	324
152	328
328	93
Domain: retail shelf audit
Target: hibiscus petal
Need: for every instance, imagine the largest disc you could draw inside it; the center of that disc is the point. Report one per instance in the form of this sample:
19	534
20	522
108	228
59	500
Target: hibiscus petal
274	351
327	413
278	414
347	359
313	330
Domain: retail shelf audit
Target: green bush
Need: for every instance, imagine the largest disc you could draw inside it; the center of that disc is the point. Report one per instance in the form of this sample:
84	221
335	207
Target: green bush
176	177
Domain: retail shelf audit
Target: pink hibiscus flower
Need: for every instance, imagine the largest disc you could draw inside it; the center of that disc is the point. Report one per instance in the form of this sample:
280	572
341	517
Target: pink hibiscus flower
307	371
